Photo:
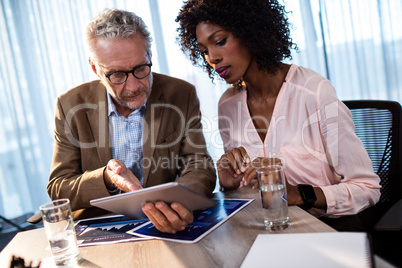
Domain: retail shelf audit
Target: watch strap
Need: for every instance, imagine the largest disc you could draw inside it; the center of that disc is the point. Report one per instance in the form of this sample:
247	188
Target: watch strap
308	195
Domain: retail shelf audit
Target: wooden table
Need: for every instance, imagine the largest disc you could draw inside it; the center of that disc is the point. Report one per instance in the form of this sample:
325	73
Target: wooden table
226	246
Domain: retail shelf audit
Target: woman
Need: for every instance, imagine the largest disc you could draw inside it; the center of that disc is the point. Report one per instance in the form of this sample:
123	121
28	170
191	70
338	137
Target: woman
277	110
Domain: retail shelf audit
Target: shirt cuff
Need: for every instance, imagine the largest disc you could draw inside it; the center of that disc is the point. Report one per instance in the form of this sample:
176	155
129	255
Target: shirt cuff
114	191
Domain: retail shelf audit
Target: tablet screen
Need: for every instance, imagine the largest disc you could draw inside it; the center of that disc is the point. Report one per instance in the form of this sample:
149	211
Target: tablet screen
130	204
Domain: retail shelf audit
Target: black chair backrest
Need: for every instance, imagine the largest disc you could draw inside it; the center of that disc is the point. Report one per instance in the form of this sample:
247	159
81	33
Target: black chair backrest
378	125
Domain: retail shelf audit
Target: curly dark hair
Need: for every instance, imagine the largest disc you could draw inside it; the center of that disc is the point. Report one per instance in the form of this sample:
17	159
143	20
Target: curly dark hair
261	25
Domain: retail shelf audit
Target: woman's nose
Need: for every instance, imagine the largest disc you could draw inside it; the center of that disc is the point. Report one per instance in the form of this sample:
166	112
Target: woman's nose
214	58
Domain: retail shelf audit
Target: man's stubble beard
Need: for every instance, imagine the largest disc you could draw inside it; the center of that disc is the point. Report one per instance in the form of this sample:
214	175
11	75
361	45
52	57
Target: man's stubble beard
120	101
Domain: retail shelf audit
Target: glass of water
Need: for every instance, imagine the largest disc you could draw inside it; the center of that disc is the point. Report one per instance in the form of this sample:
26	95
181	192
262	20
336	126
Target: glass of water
272	186
59	227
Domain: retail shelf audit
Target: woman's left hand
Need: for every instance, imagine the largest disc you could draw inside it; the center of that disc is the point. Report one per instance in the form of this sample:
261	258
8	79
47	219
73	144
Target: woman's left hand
250	174
293	195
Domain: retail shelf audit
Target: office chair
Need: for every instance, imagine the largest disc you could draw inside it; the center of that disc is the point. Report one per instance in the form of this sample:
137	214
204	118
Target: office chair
378	125
11	223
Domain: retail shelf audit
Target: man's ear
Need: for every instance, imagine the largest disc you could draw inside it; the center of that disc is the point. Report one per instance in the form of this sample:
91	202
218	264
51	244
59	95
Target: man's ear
93	67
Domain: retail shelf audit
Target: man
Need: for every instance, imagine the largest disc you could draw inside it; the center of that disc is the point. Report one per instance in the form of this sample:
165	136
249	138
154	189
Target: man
131	129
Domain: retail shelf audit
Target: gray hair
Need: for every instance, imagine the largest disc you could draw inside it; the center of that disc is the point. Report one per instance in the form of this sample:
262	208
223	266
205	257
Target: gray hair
116	23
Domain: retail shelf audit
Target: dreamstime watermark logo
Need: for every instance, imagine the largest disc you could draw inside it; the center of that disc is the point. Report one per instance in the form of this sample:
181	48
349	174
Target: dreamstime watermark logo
190	131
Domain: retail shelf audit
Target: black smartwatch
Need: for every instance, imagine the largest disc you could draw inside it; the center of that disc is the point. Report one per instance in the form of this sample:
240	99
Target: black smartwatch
308	195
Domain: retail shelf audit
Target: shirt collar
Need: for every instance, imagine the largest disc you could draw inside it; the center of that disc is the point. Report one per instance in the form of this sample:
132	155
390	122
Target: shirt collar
112	108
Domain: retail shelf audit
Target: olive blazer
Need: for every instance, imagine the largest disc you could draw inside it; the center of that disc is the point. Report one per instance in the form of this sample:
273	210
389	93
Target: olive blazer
174	147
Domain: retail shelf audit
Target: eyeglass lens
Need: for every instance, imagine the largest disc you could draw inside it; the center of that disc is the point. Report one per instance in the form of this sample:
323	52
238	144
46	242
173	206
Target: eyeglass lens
139	72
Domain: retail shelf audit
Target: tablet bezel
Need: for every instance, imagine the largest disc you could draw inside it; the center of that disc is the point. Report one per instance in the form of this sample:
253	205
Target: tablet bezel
130	204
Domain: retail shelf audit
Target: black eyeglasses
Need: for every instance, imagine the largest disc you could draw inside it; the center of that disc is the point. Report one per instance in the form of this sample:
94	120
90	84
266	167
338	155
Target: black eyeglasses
139	72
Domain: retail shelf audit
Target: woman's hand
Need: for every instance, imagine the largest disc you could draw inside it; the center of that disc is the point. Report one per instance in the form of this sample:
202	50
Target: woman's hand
231	167
293	195
258	162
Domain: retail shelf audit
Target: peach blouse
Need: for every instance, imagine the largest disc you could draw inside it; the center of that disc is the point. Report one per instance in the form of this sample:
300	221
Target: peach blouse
312	132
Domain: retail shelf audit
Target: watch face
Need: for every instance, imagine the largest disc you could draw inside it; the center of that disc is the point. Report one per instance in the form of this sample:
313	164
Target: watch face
309	192
308	195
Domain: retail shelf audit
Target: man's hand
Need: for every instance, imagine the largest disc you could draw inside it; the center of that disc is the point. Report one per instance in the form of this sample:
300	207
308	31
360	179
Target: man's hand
168	219
118	175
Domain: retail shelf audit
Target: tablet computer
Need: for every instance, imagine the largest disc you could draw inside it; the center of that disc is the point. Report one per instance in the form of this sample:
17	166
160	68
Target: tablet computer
130	204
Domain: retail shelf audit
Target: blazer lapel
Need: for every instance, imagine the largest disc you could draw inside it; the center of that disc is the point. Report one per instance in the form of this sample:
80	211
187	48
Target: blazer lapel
153	120
99	123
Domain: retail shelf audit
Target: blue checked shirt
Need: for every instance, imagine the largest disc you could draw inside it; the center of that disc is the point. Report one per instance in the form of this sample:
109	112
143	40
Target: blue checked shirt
126	137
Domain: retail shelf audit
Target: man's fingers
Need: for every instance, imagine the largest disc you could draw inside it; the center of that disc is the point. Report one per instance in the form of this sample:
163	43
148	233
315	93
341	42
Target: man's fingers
134	187
118	169
115	165
121	177
126	184
175	221
185	215
168	219
156	217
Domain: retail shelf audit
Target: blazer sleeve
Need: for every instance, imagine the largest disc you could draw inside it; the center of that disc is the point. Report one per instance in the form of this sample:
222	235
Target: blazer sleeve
71	176
197	170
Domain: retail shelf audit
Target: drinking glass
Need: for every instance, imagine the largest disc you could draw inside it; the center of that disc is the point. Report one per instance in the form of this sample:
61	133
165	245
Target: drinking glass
272	186
59	227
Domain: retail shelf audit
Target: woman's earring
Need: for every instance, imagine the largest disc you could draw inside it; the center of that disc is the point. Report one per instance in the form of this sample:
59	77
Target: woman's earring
239	84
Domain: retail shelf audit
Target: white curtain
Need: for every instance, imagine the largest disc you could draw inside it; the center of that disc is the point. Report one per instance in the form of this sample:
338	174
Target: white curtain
354	43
